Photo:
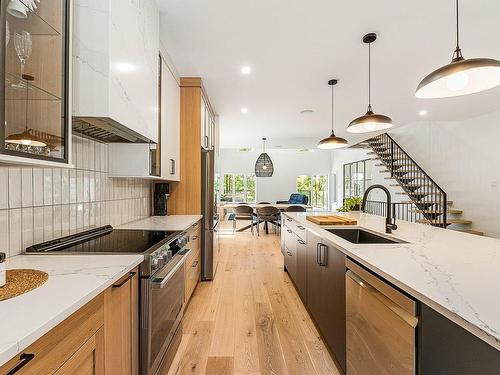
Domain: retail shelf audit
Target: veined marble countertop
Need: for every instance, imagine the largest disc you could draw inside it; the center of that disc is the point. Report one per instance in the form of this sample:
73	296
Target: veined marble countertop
170	222
455	273
73	281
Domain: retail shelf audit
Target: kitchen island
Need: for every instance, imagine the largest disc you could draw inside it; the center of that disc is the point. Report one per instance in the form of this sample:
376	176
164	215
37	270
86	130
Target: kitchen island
450	272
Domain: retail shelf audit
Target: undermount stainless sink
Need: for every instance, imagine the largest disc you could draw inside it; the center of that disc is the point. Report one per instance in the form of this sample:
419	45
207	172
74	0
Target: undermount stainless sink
361	236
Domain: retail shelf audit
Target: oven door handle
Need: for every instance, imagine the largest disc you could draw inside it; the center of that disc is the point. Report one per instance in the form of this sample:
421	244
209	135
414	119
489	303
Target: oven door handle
160	280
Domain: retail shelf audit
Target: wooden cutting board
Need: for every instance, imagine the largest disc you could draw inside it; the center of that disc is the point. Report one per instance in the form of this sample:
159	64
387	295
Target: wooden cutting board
331	220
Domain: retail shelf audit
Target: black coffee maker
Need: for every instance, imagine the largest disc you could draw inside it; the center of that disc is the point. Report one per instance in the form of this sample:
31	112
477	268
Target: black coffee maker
160	199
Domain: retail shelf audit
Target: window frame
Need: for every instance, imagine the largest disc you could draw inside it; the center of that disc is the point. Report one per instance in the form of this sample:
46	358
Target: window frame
310	193
245	189
353	178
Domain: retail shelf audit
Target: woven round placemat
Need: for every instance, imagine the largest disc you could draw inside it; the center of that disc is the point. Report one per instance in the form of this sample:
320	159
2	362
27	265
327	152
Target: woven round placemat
22	281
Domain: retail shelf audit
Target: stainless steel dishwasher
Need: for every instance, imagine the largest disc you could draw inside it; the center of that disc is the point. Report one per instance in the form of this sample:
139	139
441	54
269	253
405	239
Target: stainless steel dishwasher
381	326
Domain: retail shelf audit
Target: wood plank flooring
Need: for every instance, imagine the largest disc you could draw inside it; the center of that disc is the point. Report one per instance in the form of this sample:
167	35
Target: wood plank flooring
250	319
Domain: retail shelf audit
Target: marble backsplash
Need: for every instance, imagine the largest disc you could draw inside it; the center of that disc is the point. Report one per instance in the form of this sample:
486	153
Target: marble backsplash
40	204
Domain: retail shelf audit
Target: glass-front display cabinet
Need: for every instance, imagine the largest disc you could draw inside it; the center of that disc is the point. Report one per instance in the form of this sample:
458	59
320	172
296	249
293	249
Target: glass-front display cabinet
34	65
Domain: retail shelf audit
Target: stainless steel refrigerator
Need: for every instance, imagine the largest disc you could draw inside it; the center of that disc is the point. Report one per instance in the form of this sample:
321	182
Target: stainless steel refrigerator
210	229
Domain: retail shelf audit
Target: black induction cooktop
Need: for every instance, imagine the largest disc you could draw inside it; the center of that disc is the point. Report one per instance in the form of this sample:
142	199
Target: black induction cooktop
106	240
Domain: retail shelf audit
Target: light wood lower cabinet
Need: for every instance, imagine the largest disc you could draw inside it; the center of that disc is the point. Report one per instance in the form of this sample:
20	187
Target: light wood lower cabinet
121	310
99	338
192	266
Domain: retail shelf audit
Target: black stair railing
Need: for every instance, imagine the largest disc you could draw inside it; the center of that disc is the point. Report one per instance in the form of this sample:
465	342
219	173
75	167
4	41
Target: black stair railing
429	199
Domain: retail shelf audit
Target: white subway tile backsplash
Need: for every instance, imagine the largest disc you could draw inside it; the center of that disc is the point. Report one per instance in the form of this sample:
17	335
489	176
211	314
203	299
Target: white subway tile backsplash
65	186
38	224
37	187
57	185
40	204
48	223
28	226
15	232
4	231
4	186
48	196
15	192
27	187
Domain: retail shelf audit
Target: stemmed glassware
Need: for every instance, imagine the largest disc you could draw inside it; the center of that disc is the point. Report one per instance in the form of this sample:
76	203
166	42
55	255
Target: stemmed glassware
23	44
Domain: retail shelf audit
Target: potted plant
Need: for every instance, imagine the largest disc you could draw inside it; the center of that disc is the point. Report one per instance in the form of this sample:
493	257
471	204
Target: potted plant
351	204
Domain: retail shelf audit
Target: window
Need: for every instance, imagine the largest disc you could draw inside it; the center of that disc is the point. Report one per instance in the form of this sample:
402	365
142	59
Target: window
315	188
357	177
238	188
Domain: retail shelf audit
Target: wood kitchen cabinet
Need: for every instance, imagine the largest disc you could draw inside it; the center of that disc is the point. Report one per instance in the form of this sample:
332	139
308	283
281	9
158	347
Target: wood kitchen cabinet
326	293
121	321
185	195
99	338
75	346
193	261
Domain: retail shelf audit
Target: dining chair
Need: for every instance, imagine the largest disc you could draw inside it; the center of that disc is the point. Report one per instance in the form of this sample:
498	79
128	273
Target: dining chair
268	214
295	209
244	212
264	203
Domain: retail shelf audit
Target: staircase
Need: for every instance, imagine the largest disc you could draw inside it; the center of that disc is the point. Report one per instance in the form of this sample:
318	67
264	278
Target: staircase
428	203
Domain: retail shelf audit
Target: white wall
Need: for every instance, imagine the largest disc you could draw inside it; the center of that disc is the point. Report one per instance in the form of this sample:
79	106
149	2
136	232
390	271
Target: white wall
464	159
288	164
350	155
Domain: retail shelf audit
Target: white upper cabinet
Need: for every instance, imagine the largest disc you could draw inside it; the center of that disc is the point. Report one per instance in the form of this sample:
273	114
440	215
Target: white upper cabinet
115	63
170	125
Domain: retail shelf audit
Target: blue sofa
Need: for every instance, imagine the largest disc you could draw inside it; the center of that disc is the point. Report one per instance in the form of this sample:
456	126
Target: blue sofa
295	198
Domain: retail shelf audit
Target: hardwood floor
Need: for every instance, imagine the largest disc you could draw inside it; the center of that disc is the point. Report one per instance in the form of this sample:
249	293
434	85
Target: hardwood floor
250	320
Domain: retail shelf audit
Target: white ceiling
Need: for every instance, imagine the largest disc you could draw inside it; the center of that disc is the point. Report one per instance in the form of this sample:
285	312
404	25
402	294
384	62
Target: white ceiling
295	46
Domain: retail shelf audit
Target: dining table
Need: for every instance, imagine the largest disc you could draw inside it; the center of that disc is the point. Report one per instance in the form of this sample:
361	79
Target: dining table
255	206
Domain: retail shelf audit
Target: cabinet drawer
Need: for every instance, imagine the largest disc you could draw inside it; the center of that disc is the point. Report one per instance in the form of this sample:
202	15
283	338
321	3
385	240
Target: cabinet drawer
193	272
296	228
57	346
291	259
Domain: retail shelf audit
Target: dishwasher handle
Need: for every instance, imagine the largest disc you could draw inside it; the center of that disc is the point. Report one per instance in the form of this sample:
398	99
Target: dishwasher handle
395	308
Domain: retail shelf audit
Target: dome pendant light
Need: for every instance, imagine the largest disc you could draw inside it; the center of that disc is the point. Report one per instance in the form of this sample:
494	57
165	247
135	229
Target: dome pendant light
332	141
461	76
264	165
370	122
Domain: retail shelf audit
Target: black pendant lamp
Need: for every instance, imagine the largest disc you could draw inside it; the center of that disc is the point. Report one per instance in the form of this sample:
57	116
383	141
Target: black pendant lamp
371	121
332	141
264	165
461	76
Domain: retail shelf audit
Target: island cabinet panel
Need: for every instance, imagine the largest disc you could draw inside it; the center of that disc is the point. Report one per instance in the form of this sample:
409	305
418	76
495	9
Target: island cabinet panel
446	348
326	293
121	312
76	343
291	256
301	268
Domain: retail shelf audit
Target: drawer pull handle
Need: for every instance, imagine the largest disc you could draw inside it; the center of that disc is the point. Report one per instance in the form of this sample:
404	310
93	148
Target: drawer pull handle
301	242
194	238
287	219
289	231
124	281
289	253
301	227
195	263
23	361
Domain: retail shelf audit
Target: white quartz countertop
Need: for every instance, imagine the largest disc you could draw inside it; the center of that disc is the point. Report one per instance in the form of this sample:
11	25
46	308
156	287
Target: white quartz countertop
455	273
73	281
170	222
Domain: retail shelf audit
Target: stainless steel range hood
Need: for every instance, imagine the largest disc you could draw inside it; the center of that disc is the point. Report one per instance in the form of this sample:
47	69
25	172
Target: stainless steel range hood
106	130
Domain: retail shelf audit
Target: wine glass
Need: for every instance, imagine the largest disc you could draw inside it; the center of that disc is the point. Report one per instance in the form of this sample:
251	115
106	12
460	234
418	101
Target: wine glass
23	45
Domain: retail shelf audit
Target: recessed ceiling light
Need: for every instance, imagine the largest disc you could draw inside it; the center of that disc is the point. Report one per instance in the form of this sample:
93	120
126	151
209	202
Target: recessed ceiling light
125	67
423	112
246	70
244	110
246	149
306	111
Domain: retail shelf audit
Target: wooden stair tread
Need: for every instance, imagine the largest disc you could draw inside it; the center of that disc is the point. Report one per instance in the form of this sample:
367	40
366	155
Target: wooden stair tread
471	231
448	211
448	221
449	203
405	178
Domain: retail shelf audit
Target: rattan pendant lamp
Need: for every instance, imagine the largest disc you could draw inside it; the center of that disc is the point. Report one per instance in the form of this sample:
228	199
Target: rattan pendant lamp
264	165
461	76
332	141
371	121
